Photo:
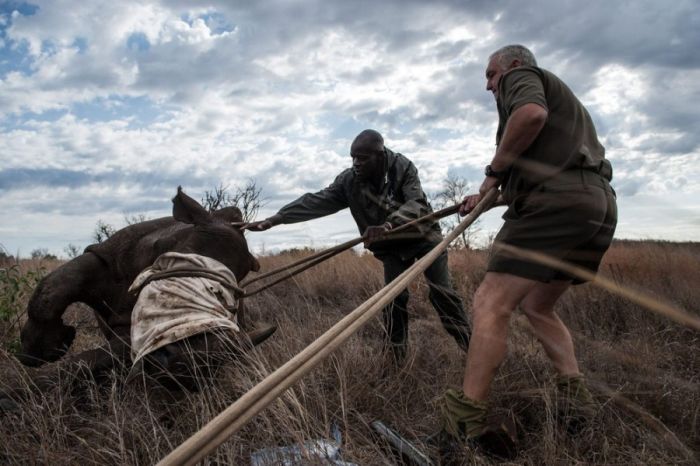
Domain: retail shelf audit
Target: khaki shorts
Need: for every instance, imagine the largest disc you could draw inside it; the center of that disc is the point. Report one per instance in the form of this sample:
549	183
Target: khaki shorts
573	222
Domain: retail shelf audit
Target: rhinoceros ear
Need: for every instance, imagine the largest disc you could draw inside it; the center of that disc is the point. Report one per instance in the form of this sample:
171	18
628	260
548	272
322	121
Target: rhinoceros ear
187	210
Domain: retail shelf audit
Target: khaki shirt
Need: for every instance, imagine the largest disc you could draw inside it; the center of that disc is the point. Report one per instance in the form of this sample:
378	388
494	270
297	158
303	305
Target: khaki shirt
567	141
397	199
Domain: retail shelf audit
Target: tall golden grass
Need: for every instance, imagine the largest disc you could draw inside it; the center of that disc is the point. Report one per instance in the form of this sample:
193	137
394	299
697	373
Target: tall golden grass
643	368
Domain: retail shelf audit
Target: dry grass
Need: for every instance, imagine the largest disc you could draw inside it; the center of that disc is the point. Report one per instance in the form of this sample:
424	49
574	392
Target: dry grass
645	371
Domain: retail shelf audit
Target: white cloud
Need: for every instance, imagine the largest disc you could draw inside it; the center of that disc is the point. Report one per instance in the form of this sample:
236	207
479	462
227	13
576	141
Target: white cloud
130	99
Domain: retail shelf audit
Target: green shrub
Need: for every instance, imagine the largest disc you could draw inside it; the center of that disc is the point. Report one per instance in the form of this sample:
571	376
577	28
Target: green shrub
16	286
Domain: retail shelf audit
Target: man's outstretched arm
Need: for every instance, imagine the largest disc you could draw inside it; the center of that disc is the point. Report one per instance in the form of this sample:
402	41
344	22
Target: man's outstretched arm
308	207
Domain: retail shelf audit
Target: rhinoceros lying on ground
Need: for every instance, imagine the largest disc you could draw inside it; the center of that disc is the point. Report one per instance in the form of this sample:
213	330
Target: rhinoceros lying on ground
101	277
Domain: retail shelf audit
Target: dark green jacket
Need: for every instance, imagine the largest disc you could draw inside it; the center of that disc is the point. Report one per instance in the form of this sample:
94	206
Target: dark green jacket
397	199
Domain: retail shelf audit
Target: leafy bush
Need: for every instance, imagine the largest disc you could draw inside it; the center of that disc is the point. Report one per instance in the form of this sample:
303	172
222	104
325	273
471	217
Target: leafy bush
16	286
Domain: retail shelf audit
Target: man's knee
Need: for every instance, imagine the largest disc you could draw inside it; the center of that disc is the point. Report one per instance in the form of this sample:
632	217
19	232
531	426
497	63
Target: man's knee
446	301
490	315
502	292
488	310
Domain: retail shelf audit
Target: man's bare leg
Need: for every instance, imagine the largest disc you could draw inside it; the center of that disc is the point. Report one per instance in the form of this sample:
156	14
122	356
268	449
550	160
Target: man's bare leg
538	306
494	301
577	406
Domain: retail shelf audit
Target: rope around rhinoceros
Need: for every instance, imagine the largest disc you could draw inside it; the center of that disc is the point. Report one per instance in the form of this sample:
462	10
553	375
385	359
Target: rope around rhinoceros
229	421
307	262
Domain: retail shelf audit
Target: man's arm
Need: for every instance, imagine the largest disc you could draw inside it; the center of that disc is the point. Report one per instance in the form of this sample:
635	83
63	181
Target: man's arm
522	128
308	207
415	205
262	225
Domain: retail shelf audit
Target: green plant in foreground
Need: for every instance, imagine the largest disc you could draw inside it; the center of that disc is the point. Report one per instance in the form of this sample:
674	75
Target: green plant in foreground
15	289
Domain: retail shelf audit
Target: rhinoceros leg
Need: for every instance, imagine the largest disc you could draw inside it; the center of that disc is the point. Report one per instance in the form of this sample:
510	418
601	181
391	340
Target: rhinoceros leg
44	337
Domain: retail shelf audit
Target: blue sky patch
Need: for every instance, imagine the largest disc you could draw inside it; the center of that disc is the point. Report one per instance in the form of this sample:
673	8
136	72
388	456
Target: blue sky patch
81	44
138	42
12	122
140	110
23	8
13	55
218	23
342	126
50	177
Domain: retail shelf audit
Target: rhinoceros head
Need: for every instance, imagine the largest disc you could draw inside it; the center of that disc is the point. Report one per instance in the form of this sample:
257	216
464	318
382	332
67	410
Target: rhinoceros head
211	235
44	341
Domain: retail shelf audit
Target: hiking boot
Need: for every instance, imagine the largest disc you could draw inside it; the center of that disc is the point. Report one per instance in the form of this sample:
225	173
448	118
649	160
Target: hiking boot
575	407
465	421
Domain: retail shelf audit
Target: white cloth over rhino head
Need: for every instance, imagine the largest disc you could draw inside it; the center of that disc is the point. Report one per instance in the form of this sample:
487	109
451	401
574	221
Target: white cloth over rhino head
181	295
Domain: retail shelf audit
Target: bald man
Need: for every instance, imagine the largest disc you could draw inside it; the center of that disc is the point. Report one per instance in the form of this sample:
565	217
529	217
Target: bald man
383	191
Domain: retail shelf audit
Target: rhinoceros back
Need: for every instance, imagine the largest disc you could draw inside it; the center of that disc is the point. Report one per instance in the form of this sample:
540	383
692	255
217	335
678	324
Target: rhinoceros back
131	249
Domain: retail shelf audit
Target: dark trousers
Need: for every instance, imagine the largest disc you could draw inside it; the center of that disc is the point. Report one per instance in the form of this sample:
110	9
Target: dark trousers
442	296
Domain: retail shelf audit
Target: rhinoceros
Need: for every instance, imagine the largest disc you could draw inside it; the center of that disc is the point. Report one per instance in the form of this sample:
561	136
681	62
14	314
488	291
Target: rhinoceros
101	278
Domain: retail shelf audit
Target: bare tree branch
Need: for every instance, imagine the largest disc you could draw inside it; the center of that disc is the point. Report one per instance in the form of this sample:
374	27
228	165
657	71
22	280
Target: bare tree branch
455	188
248	199
102	231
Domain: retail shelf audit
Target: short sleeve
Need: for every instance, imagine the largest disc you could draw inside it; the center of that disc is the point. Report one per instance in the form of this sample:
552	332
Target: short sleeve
522	86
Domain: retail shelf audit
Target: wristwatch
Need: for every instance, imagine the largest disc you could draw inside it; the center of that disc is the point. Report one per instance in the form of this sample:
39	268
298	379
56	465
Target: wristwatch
491	172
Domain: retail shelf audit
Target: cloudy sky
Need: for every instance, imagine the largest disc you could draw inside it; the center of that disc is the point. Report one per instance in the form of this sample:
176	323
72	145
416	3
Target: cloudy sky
106	107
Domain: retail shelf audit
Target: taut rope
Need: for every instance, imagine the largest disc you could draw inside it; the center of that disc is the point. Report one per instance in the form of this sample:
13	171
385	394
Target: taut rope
307	262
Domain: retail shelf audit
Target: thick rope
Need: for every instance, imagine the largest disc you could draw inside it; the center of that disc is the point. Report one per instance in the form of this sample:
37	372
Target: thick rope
317	260
303	260
321	256
219	429
348	244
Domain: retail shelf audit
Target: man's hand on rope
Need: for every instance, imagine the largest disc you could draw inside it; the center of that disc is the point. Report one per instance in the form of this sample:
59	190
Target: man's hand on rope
262	225
375	232
469	202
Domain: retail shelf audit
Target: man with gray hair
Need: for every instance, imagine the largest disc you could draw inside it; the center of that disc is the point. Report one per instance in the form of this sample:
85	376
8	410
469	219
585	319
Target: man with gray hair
554	177
383	191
